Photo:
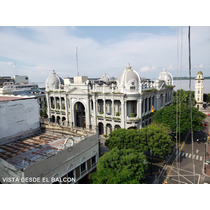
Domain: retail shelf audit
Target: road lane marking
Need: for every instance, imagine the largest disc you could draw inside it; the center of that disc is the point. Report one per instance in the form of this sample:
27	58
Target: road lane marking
201	158
186	154
197	151
172	165
183	154
189	155
196	157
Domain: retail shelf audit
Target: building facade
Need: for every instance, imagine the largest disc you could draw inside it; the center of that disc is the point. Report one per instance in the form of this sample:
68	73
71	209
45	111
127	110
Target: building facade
42	155
199	83
105	103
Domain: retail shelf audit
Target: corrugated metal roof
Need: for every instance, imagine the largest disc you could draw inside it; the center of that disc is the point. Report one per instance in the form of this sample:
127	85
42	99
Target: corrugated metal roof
26	152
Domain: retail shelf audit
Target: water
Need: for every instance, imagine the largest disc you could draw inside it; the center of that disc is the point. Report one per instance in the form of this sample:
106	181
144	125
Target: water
184	84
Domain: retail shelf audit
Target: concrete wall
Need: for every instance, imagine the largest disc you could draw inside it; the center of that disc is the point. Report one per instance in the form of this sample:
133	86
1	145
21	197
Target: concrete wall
18	118
65	160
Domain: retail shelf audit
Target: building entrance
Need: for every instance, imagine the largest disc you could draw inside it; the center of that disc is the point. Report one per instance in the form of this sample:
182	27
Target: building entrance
79	113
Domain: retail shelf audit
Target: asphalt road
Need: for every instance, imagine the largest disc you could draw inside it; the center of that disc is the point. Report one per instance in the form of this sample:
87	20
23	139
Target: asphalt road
189	160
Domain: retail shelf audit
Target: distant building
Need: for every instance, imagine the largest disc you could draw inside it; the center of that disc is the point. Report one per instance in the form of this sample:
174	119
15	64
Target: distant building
19	85
199	83
105	103
19	79
6	80
53	155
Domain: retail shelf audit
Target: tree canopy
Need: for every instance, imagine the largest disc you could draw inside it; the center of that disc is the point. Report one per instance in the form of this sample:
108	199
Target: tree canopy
183	96
168	116
158	140
154	137
125	166
126	139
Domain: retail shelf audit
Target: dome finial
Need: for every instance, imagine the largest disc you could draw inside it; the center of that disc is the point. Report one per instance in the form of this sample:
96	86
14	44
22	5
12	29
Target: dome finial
129	66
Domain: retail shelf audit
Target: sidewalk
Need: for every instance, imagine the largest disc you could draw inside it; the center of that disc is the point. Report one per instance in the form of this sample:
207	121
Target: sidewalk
207	152
207	167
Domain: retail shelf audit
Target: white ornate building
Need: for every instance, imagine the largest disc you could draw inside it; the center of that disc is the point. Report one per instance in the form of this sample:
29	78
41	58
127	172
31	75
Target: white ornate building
104	103
199	80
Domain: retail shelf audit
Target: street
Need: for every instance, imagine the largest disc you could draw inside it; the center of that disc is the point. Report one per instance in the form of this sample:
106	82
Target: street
188	167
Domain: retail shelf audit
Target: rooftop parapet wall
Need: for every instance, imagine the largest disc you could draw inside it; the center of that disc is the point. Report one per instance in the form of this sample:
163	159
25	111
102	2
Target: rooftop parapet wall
46	154
18	117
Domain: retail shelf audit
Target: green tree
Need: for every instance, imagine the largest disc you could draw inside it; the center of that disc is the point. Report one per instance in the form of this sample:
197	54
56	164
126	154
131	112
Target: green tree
126	139
125	166
154	137
168	116
208	98
183	96
158	139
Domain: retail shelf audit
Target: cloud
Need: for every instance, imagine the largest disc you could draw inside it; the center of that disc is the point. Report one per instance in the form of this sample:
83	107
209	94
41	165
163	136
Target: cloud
145	69
39	50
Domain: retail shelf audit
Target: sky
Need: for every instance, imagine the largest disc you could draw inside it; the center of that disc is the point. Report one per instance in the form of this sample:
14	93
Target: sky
37	51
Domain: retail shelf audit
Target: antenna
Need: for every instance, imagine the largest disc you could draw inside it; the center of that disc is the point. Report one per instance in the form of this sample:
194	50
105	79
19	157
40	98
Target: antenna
77	60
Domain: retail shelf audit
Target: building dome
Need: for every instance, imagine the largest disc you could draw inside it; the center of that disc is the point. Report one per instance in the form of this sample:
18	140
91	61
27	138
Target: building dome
53	82
104	78
166	76
129	80
200	72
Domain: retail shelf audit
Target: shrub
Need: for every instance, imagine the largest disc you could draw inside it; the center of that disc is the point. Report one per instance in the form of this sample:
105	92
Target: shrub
133	115
117	114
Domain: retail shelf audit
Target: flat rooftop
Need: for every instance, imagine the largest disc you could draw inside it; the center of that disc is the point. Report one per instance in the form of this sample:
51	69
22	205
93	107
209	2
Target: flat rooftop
10	98
14	98
26	152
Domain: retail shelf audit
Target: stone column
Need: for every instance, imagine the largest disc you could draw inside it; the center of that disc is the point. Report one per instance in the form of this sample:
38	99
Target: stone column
88	114
113	114
94	111
122	114
157	102
66	110
126	112
72	121
164	99
139	103
48	106
104	107
60	103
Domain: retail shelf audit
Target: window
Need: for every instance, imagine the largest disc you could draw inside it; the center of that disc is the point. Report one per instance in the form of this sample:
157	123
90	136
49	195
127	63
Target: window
146	105
132	87
71	174
83	167
93	160
150	103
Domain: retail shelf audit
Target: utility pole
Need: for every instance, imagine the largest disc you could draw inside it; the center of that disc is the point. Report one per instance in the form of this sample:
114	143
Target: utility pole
77	60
